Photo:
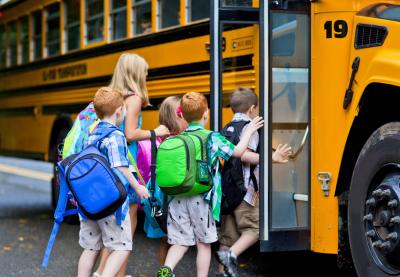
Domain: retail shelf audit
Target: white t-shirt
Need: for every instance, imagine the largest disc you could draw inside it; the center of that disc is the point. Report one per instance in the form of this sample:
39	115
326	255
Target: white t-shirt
251	195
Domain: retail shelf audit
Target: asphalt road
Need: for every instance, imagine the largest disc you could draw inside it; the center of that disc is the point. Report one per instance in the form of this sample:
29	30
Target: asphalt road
25	225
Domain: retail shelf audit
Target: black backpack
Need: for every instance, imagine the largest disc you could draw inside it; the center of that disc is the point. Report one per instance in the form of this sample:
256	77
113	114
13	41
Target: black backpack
233	188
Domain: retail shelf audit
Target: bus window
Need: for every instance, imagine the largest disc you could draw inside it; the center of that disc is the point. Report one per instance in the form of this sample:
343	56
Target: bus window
72	28
141	17
37	35
199	9
168	13
2	46
24	39
12	43
94	20
237	3
53	29
117	19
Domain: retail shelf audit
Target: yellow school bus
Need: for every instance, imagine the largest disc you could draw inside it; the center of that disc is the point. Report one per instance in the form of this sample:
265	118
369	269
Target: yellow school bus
326	71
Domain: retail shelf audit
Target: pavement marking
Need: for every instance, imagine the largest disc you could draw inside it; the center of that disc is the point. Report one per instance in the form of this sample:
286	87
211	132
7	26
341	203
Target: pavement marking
26	172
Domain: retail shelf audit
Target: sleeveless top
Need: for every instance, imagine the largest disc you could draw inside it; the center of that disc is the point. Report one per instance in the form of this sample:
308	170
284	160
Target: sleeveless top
133	145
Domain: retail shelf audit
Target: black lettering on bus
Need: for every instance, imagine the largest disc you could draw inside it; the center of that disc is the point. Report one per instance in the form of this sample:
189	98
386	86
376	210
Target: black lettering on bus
72	71
340	27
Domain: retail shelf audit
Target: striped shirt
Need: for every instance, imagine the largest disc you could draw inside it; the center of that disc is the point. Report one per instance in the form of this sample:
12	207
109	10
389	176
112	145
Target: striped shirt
114	146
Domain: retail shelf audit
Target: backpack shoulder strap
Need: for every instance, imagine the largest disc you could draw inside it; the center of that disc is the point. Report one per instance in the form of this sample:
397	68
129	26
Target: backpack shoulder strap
105	134
234	135
59	214
153	165
202	135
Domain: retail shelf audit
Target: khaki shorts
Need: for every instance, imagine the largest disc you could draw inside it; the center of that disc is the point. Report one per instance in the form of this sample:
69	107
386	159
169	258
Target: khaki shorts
190	221
244	220
96	234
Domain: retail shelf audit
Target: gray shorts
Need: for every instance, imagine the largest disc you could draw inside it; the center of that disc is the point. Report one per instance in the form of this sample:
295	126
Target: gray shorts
96	234
190	221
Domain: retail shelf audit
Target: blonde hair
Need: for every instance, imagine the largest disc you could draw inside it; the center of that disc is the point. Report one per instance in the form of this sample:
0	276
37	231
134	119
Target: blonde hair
194	105
106	101
130	76
168	113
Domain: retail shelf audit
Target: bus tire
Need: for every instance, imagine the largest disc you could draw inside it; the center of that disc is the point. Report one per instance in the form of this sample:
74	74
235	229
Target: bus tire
55	184
375	182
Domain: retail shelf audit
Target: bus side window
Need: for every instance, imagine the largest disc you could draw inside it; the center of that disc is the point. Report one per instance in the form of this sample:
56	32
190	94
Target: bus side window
72	21
3	46
141	17
199	9
53	29
12	44
117	19
36	35
24	40
168	13
237	3
94	11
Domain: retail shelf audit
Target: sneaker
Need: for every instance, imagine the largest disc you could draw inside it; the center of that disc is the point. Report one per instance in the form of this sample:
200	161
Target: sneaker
226	258
165	271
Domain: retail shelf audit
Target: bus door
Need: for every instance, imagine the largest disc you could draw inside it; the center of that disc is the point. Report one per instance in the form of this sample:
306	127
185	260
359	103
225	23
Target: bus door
265	45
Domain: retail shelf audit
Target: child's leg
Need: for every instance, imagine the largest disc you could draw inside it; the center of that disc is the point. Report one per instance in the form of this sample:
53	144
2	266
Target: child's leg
91	241
245	241
247	220
103	259
122	271
86	263
163	251
221	268
175	254
203	259
133	207
114	262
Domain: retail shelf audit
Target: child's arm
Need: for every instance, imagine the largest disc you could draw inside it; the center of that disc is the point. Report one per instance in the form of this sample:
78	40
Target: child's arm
252	127
141	191
250	157
281	155
133	108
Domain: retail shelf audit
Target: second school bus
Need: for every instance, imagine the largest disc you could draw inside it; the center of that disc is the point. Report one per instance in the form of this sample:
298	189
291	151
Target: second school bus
327	73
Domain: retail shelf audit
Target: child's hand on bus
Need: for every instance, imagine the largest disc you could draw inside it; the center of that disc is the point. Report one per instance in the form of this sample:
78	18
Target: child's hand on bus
142	192
161	131
282	153
255	124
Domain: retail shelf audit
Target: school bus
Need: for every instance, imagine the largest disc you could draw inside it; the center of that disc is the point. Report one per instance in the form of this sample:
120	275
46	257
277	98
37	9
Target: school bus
326	71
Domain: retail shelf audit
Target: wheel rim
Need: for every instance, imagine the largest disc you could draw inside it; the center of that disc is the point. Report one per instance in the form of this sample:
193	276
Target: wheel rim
382	219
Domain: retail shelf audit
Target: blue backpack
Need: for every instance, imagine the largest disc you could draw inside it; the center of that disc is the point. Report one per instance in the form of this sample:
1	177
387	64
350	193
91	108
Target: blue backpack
98	189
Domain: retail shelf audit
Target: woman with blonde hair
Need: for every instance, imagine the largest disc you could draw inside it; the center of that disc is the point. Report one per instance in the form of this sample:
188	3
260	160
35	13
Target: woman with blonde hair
130	78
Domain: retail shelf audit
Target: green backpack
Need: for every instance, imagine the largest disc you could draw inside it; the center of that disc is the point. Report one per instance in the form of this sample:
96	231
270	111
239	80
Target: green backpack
182	164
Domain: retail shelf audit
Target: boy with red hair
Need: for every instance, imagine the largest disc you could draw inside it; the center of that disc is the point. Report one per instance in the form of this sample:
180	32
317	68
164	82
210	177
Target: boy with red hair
191	220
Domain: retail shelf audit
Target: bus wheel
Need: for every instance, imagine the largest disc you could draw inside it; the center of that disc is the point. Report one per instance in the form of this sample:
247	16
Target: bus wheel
55	182
54	158
374	205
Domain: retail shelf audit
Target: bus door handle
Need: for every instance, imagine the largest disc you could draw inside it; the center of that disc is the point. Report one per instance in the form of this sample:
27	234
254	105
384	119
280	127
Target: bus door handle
302	144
